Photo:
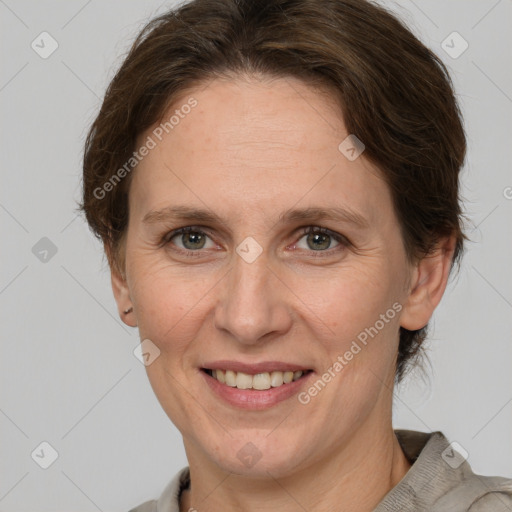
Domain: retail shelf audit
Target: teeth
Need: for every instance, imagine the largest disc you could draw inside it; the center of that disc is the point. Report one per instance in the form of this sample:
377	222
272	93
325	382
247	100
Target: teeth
260	381
243	381
276	379
230	377
220	376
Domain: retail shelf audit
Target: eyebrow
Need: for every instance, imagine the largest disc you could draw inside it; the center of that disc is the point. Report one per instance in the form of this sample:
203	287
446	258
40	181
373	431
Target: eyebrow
187	213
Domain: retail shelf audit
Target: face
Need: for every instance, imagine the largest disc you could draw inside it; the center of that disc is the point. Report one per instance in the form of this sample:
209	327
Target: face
292	255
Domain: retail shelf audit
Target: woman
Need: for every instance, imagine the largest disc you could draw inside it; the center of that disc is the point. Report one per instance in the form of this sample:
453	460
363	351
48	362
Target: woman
276	187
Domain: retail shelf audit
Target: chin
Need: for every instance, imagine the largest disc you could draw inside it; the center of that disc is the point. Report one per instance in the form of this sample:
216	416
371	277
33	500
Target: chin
258	457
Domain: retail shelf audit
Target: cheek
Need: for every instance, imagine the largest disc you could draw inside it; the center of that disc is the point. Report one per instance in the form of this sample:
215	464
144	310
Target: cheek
170	305
347	300
170	312
357	314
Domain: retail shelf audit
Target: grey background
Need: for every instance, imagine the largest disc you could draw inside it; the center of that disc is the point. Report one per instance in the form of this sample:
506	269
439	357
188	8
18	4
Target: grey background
69	376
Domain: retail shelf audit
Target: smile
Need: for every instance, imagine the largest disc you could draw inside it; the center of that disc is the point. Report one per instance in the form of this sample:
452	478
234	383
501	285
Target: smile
260	381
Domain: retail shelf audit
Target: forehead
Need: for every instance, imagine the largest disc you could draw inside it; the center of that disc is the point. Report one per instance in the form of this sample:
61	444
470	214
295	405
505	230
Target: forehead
254	144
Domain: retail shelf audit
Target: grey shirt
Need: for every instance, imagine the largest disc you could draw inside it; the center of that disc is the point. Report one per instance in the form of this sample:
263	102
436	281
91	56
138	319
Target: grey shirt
439	480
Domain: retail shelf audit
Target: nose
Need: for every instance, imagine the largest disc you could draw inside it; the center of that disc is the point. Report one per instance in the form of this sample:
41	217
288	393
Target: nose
253	302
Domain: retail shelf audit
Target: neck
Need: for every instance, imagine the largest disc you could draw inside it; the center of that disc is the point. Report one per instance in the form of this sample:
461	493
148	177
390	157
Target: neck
357	476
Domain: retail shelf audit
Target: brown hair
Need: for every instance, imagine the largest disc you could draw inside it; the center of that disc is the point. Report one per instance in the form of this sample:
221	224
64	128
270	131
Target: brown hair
396	96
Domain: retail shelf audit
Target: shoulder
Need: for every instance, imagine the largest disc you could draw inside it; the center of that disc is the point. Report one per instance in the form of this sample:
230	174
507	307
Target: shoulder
471	492
479	494
169	500
493	502
147	506
441	479
493	494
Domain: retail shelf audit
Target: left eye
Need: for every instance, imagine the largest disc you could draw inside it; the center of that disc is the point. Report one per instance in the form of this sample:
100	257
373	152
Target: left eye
319	239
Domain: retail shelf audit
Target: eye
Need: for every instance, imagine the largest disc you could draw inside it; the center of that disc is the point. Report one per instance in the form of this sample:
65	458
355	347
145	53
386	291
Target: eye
320	239
190	238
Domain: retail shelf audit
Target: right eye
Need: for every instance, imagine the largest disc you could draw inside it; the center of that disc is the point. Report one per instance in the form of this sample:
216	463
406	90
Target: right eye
189	239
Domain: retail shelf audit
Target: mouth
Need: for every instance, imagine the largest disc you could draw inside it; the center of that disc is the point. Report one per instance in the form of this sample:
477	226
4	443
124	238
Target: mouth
260	381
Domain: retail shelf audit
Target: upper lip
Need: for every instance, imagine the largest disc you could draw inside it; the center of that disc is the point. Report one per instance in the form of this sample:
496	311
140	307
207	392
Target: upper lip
254	368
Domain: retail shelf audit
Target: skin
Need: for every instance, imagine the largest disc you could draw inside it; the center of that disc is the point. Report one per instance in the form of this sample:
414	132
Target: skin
251	149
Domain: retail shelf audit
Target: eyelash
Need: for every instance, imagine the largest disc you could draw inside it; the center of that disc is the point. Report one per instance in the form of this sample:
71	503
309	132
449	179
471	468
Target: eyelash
342	240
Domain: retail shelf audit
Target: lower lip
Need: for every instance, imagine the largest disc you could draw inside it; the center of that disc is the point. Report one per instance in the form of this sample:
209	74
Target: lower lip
253	399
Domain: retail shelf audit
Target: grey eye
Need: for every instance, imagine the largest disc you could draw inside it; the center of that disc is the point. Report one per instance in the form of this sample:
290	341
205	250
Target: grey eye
317	241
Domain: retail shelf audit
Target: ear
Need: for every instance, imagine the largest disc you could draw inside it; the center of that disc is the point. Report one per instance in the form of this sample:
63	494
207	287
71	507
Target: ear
428	284
122	296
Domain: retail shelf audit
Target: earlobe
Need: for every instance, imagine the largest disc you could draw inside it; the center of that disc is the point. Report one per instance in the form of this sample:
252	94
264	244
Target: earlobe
122	297
428	284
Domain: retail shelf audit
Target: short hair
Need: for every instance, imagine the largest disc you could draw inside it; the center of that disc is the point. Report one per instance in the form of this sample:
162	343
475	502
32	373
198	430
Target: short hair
394	94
